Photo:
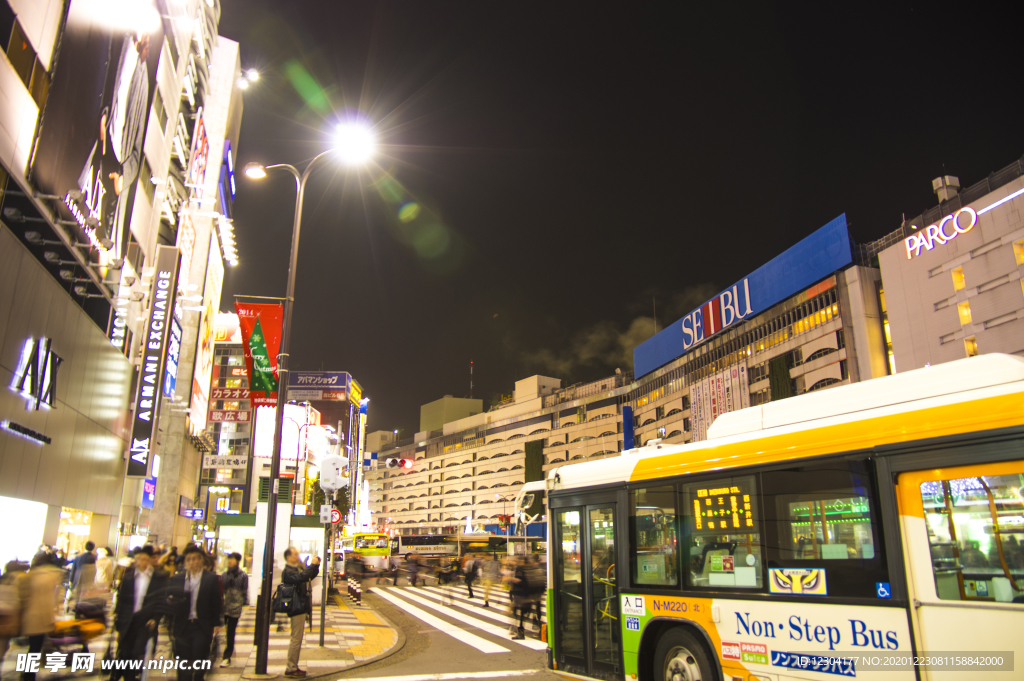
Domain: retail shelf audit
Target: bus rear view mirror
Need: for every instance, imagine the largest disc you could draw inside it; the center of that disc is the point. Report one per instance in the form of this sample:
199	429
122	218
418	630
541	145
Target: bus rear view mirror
526	502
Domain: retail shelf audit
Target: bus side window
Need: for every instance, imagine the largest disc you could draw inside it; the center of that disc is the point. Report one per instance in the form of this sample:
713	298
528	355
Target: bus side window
653	536
823	517
974	528
722	543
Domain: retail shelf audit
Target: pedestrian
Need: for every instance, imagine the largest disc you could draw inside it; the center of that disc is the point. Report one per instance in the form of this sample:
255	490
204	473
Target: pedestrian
39	598
196	608
140	604
536	585
10	604
236	596
471	570
520	594
83	571
300	576
413	563
490	572
169	561
104	569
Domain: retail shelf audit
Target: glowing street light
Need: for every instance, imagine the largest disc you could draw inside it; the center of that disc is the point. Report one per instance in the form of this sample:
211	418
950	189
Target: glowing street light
353	145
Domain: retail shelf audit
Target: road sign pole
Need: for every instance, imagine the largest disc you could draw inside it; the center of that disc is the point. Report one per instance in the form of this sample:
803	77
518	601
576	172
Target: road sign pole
329	501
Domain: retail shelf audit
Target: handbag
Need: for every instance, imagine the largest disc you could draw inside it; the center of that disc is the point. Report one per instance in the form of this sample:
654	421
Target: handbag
288	600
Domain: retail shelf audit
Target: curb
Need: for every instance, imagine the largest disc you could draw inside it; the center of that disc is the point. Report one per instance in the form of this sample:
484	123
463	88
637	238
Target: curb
399	644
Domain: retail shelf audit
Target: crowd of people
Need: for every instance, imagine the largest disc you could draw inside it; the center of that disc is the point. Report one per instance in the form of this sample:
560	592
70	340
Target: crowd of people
150	586
524	577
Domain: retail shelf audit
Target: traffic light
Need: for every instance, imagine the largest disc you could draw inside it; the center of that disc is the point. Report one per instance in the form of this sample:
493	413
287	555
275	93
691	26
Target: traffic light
399	463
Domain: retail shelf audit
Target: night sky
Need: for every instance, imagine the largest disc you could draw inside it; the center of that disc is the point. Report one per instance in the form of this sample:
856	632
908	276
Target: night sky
551	171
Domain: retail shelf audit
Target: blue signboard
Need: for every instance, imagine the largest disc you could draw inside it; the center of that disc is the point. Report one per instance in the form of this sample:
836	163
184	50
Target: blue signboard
810	260
148	492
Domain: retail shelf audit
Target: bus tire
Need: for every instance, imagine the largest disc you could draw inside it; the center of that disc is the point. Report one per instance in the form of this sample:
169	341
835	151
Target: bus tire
681	656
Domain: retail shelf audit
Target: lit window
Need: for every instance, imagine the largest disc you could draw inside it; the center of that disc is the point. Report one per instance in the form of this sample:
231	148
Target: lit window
964	309
1018	251
971	346
958	279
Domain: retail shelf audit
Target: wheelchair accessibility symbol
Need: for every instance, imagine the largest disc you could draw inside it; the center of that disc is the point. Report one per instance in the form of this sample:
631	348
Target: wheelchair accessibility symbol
883	590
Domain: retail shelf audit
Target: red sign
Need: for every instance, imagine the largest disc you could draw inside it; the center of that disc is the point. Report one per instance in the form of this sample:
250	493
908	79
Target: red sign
333	395
228	416
229	394
335	516
261	349
730	651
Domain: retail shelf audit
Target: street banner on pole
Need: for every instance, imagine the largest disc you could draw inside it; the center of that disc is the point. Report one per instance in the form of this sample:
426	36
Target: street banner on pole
154	353
261	341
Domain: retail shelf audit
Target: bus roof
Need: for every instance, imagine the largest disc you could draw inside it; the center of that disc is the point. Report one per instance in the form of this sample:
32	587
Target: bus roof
976	393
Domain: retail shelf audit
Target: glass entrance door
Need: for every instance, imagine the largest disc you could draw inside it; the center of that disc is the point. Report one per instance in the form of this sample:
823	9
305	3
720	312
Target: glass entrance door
586	592
603	613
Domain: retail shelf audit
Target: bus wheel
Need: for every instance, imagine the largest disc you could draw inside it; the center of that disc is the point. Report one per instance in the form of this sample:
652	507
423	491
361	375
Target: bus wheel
680	656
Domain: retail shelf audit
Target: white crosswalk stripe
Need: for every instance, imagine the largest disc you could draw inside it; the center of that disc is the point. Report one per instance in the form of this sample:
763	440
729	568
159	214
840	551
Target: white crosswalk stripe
492	629
497	612
459	634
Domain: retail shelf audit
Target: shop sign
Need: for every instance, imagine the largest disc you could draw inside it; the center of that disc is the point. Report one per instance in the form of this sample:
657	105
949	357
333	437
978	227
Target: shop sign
118	331
36	377
173	353
229	416
204	353
947	229
154	352
199	157
319	385
809	261
25	432
229	394
224	461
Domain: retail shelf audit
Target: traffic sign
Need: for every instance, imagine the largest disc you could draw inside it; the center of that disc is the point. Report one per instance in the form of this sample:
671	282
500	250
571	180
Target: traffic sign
335	516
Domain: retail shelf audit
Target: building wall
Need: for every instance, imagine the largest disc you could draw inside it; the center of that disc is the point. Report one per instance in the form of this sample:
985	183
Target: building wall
83	466
435	415
922	297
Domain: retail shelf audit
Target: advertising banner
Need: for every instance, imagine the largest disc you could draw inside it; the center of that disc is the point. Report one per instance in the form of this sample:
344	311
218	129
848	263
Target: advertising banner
89	149
319	385
294	438
224	461
260	325
203	370
229	394
154	351
229	416
815	257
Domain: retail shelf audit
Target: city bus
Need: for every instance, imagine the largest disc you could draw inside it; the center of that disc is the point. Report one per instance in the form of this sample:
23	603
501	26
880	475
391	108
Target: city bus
374	549
874	530
436	546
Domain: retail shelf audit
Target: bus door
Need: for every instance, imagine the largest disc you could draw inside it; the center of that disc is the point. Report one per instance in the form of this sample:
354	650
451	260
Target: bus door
963	533
586	618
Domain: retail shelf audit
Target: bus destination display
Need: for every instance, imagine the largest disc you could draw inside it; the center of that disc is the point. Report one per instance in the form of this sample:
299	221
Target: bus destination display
723	509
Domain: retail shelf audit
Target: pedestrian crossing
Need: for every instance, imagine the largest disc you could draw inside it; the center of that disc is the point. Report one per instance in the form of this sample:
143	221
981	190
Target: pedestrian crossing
449	610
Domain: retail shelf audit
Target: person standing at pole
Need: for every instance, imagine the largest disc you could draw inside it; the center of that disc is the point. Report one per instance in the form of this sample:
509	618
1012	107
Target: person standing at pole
140	600
197	608
236	596
300	576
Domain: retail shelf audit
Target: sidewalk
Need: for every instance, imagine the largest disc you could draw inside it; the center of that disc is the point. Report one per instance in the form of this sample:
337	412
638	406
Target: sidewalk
353	636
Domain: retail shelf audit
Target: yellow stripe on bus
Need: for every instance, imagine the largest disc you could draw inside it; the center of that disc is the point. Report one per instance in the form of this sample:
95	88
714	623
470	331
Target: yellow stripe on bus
953	419
909	490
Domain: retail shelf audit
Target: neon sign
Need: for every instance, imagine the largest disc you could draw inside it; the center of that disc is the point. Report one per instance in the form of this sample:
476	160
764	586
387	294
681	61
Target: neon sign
942	232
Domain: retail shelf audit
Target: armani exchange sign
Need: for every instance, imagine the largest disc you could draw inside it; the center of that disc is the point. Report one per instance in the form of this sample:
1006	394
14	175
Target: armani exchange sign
154	353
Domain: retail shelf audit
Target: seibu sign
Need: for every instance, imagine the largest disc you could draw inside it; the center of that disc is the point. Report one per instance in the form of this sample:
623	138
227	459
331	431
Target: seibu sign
154	352
809	261
947	229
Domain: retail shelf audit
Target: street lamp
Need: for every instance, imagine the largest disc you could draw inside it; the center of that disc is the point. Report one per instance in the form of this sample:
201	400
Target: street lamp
354	144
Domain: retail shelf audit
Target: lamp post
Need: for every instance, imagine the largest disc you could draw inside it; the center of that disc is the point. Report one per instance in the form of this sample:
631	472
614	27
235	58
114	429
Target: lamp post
354	144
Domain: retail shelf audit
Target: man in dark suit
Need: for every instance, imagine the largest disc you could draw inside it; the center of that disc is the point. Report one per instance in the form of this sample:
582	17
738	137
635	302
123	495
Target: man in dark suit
197	608
140	604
